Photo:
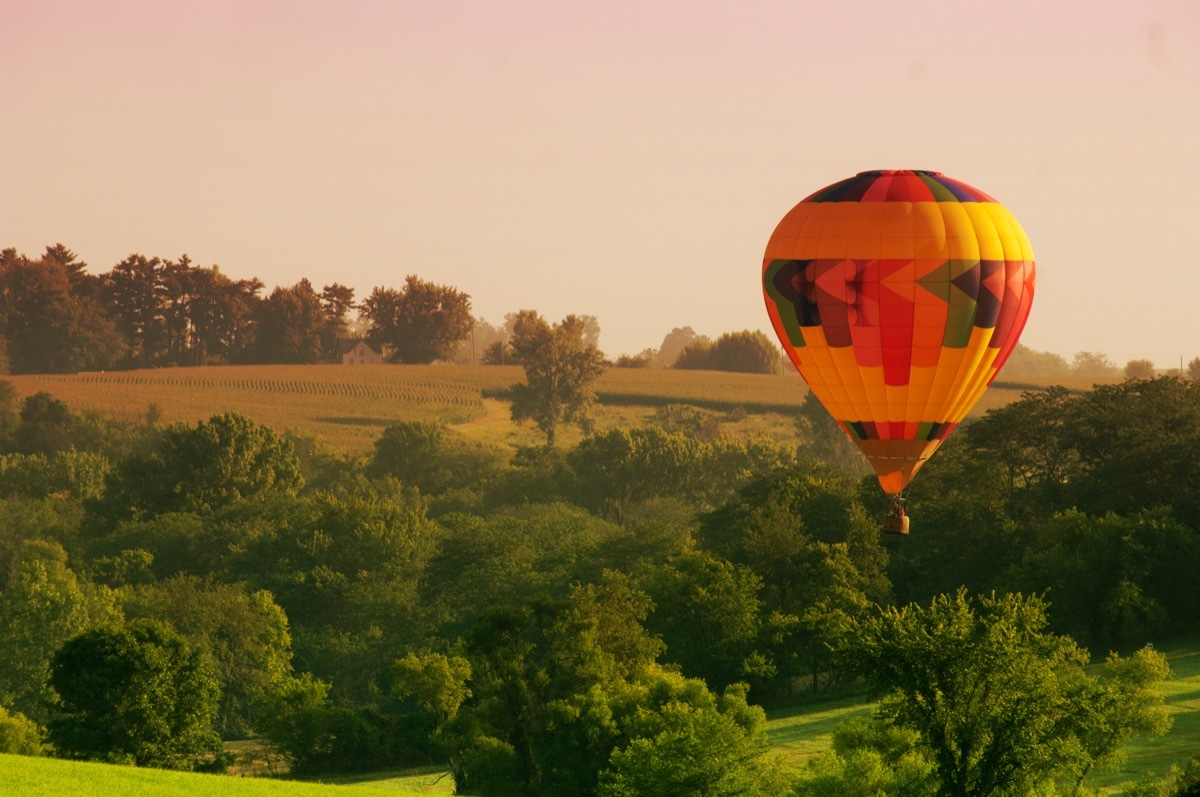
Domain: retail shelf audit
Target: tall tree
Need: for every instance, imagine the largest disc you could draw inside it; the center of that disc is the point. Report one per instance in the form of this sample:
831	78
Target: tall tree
222	315
45	325
135	296
244	633
289	326
419	323
561	370
45	606
673	343
137	694
203	467
338	301
1003	706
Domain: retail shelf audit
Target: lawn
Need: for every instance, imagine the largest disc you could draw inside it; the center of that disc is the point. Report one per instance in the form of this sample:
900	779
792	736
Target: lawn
49	777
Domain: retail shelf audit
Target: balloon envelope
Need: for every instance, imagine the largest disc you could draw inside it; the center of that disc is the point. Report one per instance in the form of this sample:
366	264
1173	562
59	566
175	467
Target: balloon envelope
898	295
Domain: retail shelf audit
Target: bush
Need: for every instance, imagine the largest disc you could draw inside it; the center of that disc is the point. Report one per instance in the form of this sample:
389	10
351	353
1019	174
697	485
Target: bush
18	735
319	739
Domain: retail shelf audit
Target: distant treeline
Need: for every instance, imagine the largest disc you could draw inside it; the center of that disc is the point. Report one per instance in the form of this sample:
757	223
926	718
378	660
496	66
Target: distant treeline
146	312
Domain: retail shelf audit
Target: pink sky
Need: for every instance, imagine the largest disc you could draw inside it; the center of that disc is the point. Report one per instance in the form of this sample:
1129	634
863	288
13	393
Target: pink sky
627	160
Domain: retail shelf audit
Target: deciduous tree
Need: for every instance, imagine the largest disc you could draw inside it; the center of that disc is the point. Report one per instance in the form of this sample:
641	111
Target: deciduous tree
48	327
419	323
245	635
136	694
45	605
203	467
290	326
745	352
1139	369
1002	705
561	370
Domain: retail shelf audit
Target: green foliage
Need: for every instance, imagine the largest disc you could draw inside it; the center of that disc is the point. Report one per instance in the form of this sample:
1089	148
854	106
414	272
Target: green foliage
512	557
684	748
696	423
787	516
8	407
47	425
674	342
1137	444
437	681
824	440
619	468
319	738
643	359
616	470
1002	706
567	700
707	611
744	352
1114	579
422	455
561	369
1026	362
44	606
19	735
244	634
201	468
419	323
1094	364
1179	782
78	474
871	758
345	567
48	520
51	322
136	693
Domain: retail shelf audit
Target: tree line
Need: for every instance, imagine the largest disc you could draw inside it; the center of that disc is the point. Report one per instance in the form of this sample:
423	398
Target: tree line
606	619
150	311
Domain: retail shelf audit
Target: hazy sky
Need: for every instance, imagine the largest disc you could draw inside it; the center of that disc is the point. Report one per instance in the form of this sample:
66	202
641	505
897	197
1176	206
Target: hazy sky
622	159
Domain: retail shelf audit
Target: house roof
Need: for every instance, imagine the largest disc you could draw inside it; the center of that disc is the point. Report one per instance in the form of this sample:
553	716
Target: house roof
346	345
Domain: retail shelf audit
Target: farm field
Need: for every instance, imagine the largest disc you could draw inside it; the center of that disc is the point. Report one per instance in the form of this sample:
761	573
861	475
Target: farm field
348	406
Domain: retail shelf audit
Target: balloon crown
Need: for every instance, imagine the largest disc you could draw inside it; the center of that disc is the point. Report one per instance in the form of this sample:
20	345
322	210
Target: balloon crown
883	172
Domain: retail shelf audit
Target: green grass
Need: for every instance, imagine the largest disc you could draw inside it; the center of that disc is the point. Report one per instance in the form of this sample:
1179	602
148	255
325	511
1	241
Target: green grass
48	777
801	734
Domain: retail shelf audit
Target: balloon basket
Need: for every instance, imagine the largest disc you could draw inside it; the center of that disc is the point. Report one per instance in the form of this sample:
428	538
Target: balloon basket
895	524
896	520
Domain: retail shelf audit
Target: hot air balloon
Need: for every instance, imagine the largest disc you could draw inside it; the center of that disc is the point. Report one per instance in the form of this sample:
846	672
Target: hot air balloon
898	295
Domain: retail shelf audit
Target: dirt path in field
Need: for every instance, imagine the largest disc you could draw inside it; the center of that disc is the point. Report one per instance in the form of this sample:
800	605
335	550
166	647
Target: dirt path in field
495	412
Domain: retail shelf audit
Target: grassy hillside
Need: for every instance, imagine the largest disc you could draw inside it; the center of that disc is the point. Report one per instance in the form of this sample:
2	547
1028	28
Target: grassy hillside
49	777
348	406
